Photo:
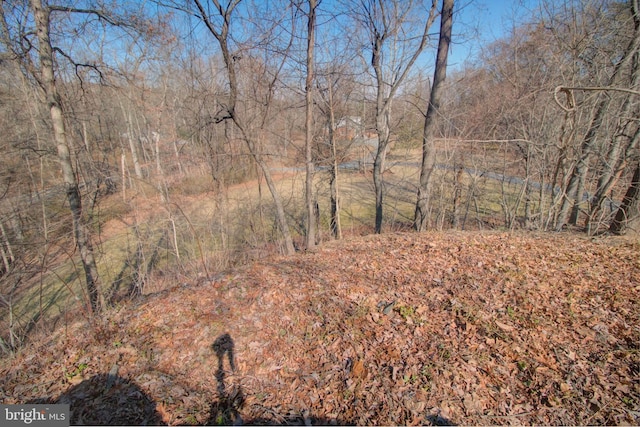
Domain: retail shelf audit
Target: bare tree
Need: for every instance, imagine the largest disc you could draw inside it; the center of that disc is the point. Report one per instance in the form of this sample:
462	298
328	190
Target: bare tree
629	210
534	149
47	80
428	144
328	109
386	24
35	34
623	141
310	239
217	19
575	187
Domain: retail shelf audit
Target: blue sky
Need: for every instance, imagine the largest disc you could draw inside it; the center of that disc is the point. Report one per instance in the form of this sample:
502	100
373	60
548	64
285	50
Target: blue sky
480	22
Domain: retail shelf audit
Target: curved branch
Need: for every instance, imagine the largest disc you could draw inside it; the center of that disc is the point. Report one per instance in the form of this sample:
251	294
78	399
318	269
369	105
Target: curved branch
100	14
571	101
78	65
597	88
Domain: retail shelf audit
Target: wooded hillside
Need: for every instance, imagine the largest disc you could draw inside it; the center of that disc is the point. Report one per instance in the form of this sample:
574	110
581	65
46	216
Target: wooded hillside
190	183
403	328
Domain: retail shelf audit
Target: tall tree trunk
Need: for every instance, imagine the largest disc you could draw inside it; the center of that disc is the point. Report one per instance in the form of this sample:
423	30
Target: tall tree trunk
629	210
47	80
421	217
580	169
336	227
611	166
383	107
310	239
7	255
132	143
578	198
381	32
383	130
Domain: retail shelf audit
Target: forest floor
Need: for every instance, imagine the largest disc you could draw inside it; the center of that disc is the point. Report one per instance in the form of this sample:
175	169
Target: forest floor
403	328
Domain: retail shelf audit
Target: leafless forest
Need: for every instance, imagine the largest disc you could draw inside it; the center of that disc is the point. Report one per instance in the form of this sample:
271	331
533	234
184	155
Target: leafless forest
149	144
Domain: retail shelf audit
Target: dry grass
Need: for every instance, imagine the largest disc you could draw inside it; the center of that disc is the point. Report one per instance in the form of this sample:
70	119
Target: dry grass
153	244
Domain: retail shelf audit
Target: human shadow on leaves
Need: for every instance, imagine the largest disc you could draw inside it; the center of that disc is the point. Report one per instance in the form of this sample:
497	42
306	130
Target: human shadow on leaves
226	410
108	399
231	398
437	420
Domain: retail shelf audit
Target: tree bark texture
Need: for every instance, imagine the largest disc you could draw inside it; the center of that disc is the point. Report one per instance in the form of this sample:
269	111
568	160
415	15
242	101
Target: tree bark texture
310	238
421	218
579	171
381	32
617	158
630	209
336	228
48	83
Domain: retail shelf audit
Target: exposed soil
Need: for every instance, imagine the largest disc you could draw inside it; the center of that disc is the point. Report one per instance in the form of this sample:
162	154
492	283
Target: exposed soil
406	328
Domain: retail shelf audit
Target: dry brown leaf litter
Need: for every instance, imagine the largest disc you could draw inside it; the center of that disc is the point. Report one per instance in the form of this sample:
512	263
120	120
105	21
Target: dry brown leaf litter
465	328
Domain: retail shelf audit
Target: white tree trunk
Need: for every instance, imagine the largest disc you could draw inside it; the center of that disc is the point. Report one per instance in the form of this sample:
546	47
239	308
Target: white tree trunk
47	80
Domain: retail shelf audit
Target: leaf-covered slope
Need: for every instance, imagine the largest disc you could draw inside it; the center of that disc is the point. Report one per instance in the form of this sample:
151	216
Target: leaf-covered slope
472	328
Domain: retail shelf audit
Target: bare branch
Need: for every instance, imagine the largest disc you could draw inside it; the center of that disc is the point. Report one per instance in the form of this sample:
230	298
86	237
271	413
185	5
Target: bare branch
205	18
571	102
99	13
78	65
597	88
419	49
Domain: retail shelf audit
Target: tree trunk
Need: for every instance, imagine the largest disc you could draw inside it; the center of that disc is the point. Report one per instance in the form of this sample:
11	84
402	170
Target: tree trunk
47	80
132	143
7	255
580	170
614	163
281	217
383	107
421	217
336	227
629	210
457	195
310	238
382	126
382	29
577	200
